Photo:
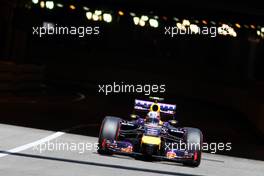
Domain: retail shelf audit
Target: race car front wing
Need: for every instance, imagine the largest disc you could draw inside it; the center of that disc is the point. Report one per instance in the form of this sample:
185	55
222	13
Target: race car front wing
126	148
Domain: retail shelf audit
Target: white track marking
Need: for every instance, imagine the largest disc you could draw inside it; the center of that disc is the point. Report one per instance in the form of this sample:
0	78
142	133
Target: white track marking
32	144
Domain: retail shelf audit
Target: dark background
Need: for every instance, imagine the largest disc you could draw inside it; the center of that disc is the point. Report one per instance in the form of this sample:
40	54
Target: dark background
217	83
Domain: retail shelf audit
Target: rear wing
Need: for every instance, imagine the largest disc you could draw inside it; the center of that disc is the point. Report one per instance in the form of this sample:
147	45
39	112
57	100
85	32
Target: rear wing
144	105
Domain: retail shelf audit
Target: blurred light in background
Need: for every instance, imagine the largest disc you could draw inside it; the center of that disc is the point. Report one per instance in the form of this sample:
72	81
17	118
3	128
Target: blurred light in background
227	30
237	25
42	4
98	12
155	20
180	26
186	23
142	22
85	8
213	23
136	20
89	15
204	22
35	1
176	19
95	17
107	17
121	13
50	5
132	14
194	28
232	33
72	7
220	30
246	26
154	23
60	5
48	25
164	18
144	18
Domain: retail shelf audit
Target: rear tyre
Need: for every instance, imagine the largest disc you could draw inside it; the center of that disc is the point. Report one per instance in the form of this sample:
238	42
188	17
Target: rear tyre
109	131
194	141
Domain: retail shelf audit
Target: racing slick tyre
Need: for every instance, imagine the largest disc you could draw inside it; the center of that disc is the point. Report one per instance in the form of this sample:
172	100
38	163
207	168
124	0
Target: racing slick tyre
194	141
109	131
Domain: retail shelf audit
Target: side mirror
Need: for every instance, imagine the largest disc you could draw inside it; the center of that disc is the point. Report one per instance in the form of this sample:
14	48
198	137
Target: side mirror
173	122
134	116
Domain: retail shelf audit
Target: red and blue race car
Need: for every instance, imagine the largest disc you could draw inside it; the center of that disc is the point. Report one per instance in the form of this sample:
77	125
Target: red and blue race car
149	136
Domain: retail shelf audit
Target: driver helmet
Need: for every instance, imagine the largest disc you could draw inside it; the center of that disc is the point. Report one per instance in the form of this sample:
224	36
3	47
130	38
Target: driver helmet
153	117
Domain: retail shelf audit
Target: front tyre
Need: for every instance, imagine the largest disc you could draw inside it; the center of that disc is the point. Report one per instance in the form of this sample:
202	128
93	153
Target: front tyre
109	131
194	141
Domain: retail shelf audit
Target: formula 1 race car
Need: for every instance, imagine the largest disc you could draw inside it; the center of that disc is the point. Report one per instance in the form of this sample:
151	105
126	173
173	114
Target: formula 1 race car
147	135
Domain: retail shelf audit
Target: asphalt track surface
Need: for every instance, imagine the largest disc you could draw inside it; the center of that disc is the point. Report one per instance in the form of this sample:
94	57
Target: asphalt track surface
24	151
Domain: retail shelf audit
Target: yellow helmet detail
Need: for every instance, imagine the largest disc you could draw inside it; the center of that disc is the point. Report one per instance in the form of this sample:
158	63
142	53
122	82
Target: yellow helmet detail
155	107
